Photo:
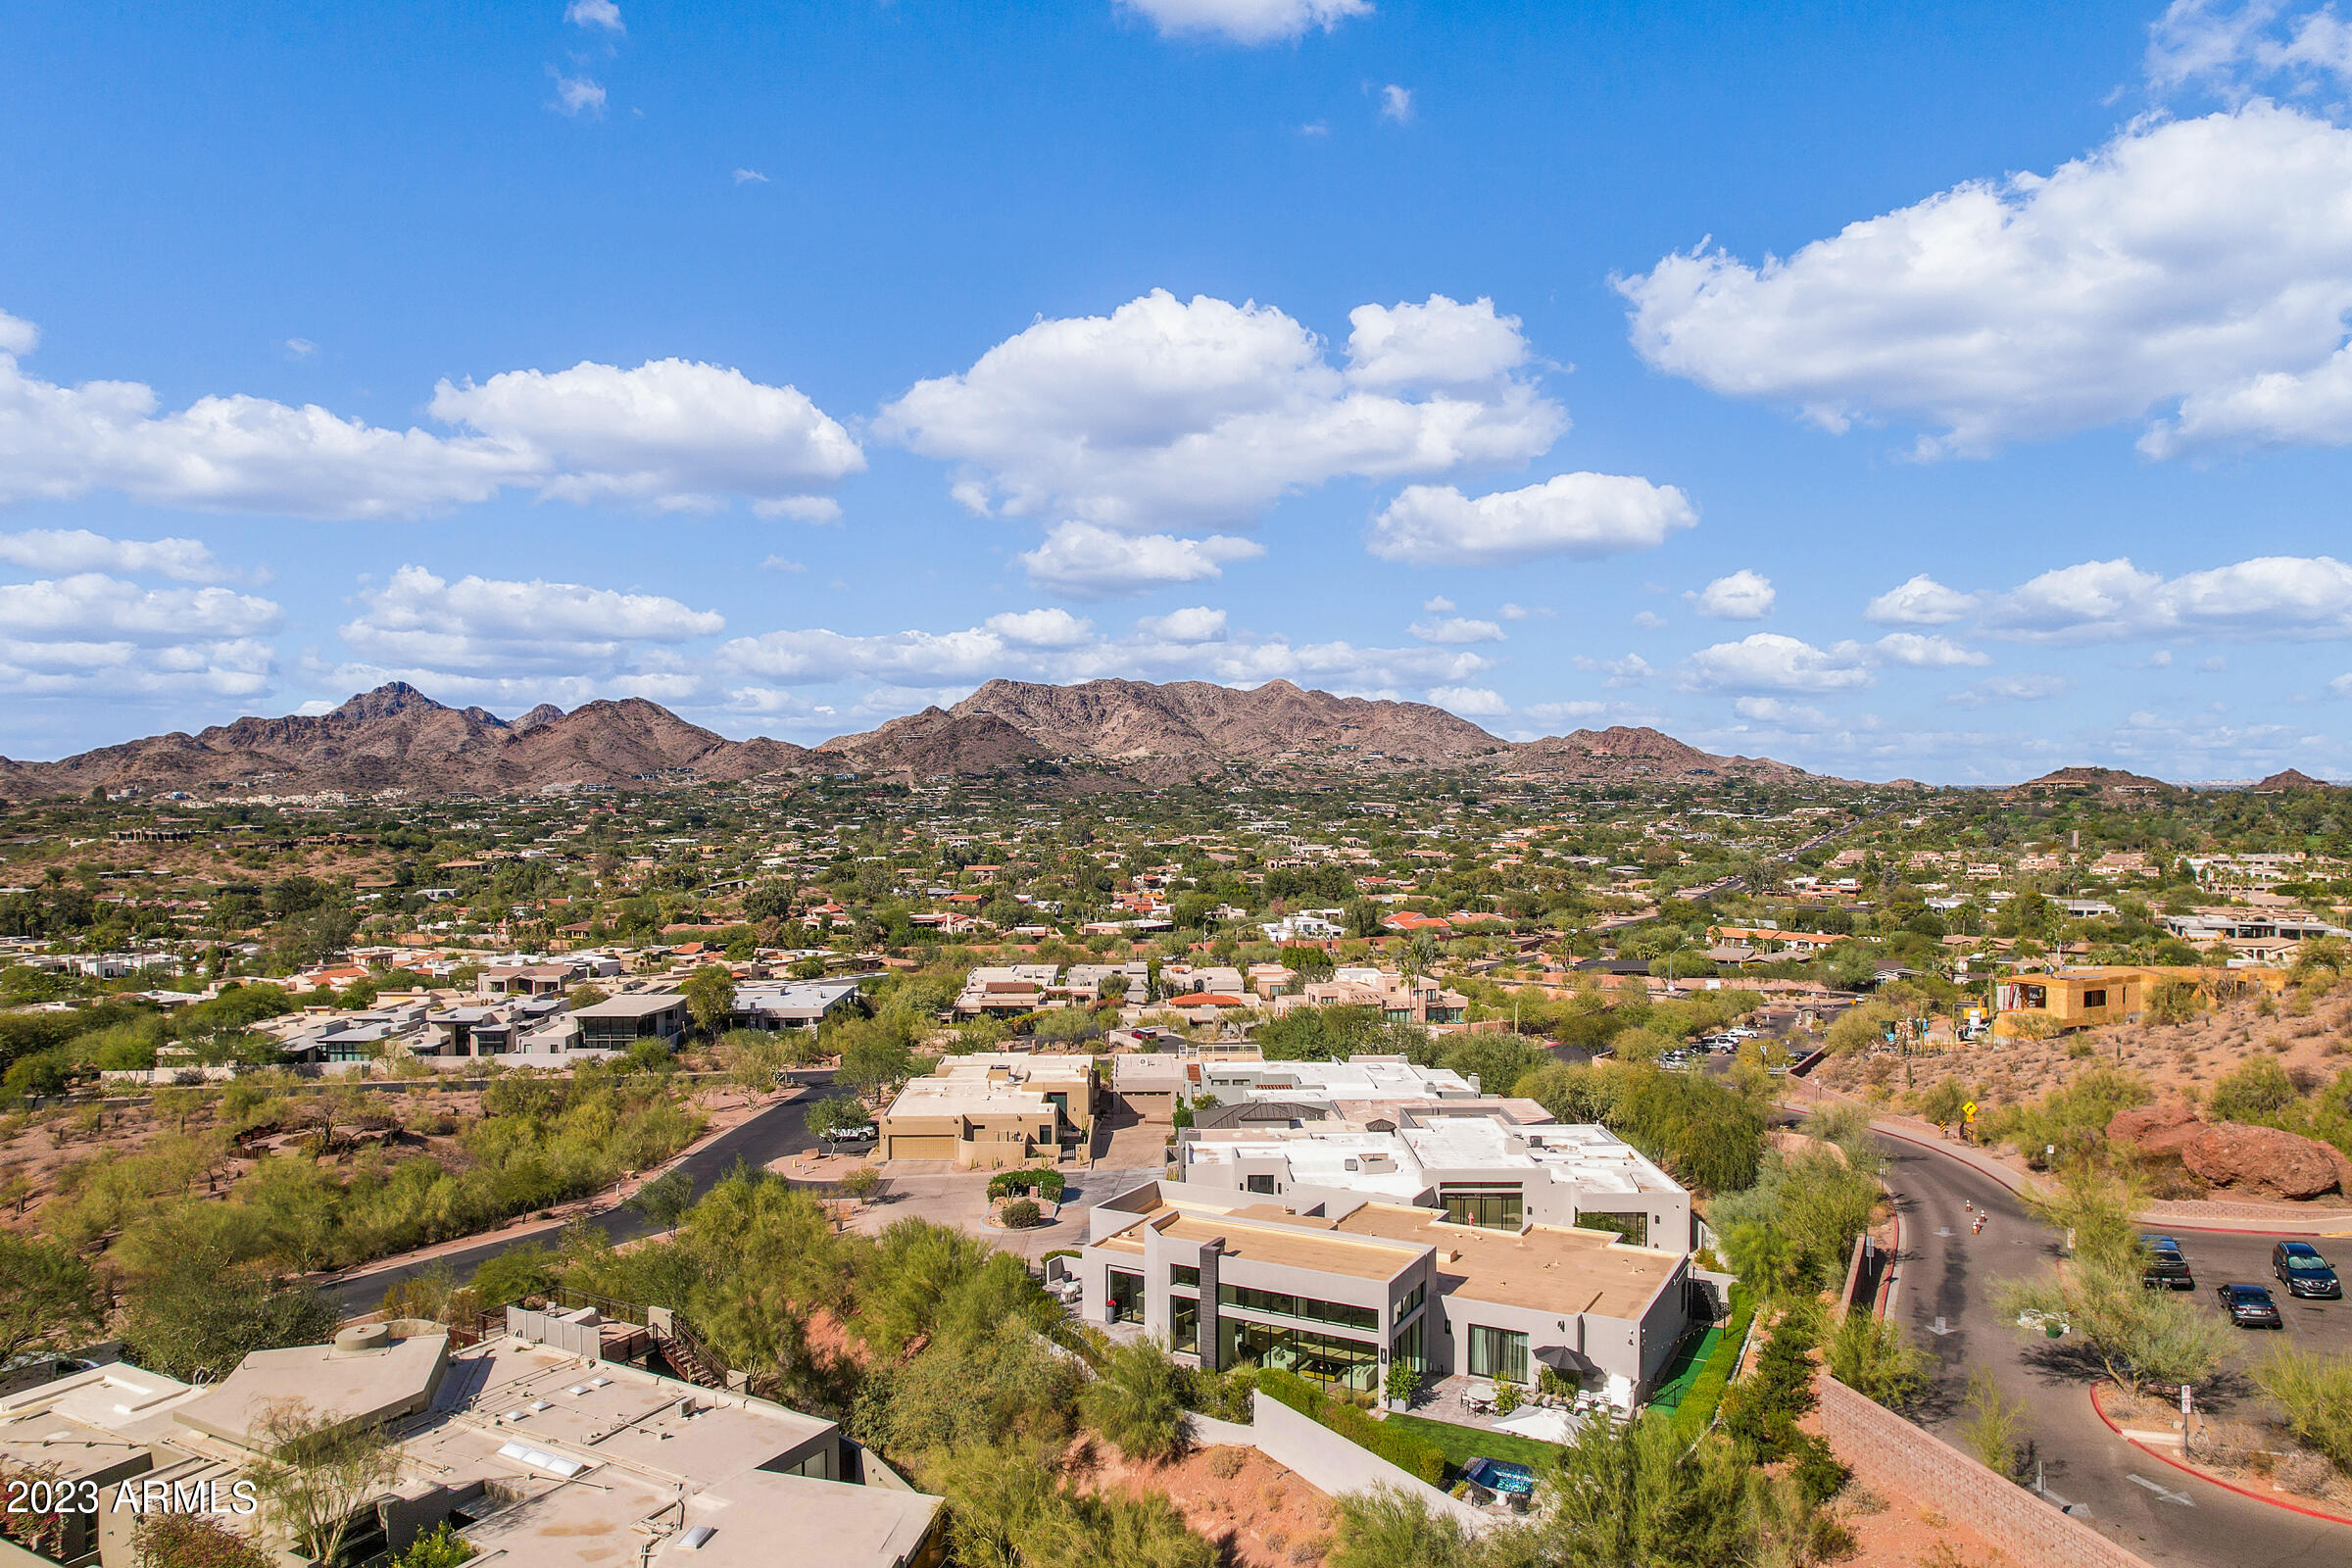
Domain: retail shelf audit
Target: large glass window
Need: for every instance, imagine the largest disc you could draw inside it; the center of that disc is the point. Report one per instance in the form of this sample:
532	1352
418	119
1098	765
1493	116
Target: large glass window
1413	1300
1325	1357
1494	1208
1498	1354
1183	1274
1126	1296
1261	1184
1280	1303
1184	1323
1406	1347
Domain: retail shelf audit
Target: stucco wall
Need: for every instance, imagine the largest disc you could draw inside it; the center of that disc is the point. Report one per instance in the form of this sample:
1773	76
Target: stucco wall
1329	1462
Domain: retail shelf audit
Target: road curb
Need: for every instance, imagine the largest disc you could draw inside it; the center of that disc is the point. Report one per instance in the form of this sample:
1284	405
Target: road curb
2289	1225
2191	1470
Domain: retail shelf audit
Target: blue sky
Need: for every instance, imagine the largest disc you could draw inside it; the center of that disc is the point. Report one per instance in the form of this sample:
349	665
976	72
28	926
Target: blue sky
1950	391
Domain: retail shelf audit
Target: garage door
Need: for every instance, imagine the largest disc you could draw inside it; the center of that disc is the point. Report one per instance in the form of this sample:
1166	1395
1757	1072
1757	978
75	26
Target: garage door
934	1146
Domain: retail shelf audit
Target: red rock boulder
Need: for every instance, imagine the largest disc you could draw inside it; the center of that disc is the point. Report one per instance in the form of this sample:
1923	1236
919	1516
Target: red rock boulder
2266	1163
2155	1129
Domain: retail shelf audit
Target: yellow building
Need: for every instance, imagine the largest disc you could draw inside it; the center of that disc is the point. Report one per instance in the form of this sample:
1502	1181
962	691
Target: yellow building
2085	997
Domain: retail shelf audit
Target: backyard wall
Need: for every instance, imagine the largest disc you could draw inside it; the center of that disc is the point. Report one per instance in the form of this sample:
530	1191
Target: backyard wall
1890	1452
1324	1459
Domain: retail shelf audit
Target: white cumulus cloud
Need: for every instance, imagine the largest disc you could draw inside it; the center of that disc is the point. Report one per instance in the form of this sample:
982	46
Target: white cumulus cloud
1041	628
2268	598
1197	624
1470	702
676	433
603	13
1576	515
2199	266
78	550
1397	104
1920	601
1456	630
478	627
1744	594
1767	662
1923	652
1168	412
1089	561
1248	22
671	434
89	634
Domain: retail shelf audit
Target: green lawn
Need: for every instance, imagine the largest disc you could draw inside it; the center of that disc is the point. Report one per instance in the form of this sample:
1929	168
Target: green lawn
1690	1359
1461	1444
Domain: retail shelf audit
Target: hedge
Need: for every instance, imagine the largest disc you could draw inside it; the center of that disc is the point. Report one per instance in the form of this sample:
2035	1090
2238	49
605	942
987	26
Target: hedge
1417	1458
1007	1183
1698	1408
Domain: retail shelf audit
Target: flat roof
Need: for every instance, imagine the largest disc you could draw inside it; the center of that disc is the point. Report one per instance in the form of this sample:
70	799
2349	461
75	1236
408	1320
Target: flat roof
636	1004
1547	1268
349	1385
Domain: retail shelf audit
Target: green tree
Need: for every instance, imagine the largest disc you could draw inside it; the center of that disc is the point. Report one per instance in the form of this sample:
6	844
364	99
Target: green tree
1871	1356
710	993
2135	1335
51	1302
874	1063
827	1118
1995	1426
1389	1528
199	1314
316	1469
664	1199
1137	1401
1638	1495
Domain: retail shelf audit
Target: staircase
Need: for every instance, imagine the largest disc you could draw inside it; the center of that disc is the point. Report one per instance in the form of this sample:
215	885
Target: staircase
688	1355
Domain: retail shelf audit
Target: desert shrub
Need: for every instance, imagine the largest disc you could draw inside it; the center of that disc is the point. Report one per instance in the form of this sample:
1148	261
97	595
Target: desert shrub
2259	1091
2315	1392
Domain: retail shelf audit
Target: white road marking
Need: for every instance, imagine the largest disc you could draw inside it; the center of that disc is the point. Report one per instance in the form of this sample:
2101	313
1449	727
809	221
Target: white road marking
2165	1494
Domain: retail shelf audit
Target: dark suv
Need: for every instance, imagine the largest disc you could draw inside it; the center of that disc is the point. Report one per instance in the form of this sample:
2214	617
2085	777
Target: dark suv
2304	1272
2165	1266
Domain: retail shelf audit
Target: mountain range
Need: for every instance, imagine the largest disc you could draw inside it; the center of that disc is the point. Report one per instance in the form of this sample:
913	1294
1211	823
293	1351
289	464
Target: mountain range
1120	732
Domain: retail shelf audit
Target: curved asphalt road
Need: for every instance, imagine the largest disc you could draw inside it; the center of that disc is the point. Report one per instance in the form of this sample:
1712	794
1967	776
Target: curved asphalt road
1946	1276
779	1130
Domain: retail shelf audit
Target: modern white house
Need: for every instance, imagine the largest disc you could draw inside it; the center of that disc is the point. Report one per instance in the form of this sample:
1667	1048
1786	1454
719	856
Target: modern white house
1338	1289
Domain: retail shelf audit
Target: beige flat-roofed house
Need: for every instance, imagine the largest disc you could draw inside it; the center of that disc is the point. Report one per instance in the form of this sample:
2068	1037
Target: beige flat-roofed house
990	1110
542	1457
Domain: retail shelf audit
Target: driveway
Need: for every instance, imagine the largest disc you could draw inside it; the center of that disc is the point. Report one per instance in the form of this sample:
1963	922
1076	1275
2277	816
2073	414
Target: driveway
960	1199
1944	1280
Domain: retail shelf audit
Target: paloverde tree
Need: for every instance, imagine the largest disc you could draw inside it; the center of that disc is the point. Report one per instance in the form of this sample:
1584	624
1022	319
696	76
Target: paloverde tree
316	1469
50	1300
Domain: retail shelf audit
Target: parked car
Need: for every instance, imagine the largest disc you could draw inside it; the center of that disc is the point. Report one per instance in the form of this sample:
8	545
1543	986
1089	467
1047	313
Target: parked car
2249	1307
2164	1267
2304	1272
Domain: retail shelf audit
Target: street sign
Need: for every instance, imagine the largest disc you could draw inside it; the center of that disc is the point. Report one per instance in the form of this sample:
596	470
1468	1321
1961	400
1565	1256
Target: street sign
1969	1110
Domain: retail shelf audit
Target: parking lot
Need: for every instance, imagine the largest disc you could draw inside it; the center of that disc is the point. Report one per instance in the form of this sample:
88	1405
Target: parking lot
2221	1258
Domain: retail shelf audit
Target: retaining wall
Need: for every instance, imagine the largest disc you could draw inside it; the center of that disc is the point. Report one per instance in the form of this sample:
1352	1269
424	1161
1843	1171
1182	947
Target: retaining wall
1331	1463
1890	1452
